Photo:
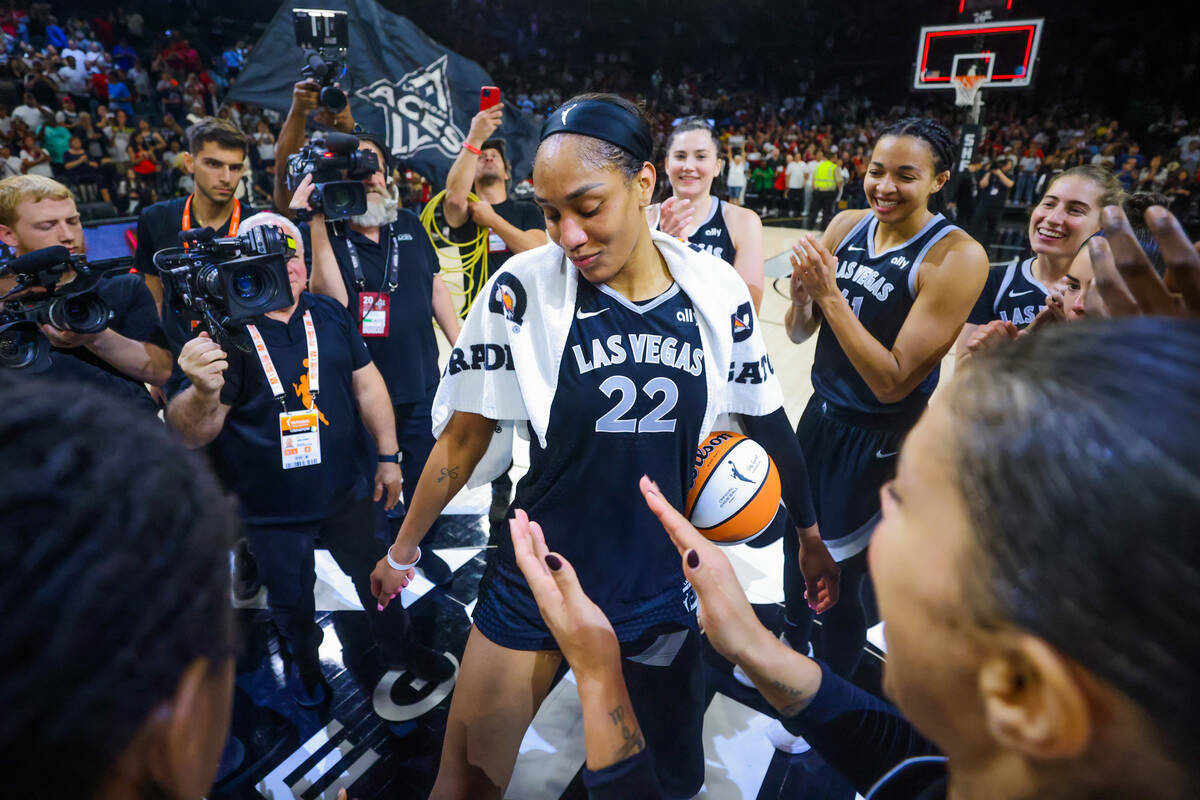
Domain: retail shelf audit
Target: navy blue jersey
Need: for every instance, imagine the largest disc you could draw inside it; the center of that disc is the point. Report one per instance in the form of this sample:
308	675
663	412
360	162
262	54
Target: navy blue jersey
1012	294
881	289
713	236
630	401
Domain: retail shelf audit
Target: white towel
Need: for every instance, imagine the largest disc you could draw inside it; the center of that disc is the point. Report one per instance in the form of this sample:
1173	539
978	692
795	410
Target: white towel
506	362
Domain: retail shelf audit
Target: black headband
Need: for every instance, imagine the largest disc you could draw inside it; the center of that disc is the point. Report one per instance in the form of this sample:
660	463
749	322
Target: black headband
602	120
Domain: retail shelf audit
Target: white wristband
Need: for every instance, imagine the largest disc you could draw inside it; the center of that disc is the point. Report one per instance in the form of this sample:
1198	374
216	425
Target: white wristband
402	567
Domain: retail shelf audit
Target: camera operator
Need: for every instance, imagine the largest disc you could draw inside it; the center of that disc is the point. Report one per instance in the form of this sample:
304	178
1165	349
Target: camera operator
514	226
383	268
306	98
994	183
38	212
216	160
303	473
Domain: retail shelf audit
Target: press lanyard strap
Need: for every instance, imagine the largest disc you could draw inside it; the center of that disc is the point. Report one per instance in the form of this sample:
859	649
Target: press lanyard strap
393	277
234	219
264	358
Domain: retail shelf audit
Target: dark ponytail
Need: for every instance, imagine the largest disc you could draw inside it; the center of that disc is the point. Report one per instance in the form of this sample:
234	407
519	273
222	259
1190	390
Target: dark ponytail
941	144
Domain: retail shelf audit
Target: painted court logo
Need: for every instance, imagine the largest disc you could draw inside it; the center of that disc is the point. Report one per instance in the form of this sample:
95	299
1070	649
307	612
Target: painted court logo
418	111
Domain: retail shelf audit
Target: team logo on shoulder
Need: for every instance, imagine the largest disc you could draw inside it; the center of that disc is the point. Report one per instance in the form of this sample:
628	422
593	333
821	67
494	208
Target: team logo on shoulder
743	323
508	299
418	110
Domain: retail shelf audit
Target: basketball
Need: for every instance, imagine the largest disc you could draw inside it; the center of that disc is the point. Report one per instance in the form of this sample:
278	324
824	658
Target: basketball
735	488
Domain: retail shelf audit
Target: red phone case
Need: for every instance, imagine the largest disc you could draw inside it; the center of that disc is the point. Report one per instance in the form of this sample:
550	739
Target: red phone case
488	96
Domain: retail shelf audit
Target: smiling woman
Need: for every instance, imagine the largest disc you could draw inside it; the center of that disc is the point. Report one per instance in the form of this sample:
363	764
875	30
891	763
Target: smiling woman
1067	214
889	287
612	347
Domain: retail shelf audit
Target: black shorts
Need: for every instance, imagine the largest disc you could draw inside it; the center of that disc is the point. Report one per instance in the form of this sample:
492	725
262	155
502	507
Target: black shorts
507	613
850	456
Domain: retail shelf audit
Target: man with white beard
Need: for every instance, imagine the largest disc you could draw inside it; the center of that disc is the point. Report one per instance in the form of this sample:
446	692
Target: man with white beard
382	266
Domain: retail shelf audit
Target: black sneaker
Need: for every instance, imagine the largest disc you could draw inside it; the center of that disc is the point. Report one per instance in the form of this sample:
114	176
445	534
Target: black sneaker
428	664
308	691
246	584
435	570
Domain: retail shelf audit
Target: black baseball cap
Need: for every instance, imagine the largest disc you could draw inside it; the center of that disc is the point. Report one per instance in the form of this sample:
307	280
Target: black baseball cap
501	147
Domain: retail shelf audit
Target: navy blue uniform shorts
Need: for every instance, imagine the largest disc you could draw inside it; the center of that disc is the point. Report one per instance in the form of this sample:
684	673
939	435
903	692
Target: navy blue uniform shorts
660	662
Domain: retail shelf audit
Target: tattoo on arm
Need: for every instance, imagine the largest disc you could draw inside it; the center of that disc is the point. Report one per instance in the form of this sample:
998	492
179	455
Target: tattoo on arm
791	709
634	743
451	472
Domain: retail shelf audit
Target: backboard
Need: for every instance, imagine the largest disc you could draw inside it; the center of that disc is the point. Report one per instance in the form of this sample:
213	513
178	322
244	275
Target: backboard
1005	52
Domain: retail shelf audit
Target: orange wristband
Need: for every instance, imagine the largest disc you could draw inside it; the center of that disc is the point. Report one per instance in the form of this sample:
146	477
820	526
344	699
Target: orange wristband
472	148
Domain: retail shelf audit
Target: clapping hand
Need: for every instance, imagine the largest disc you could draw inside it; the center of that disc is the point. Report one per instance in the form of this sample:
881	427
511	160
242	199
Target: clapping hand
1125	277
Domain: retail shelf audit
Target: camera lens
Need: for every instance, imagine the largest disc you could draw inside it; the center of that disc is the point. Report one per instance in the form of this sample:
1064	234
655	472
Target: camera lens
21	345
81	313
247	285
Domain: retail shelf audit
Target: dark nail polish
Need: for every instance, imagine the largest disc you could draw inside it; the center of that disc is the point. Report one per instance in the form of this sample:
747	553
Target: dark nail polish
693	559
553	562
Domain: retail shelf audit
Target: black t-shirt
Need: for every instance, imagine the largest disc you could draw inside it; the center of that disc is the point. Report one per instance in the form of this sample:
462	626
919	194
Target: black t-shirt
158	227
408	355
63	367
520	214
246	453
134	317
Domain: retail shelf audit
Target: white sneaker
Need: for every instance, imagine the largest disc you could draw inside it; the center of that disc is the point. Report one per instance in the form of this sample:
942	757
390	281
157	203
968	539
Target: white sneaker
784	741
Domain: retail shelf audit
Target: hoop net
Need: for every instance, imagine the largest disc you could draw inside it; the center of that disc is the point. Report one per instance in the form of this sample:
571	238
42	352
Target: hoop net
966	89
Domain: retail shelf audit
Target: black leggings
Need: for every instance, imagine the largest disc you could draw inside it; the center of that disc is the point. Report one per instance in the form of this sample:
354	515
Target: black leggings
842	637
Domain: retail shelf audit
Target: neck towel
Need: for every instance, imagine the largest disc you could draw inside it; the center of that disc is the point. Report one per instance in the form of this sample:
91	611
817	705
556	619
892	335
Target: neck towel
505	364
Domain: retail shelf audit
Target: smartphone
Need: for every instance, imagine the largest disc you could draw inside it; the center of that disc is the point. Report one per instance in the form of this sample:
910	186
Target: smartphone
488	96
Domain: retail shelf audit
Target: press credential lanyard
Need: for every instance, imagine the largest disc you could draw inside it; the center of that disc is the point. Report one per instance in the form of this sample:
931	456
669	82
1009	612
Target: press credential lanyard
393	276
234	220
299	431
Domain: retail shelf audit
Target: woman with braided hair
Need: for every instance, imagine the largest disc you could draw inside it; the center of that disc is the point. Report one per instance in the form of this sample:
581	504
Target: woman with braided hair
890	288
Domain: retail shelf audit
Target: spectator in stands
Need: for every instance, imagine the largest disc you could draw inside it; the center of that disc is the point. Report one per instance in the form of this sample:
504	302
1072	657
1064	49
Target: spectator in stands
119	95
35	160
1128	174
10	165
56	138
80	168
31	112
1180	189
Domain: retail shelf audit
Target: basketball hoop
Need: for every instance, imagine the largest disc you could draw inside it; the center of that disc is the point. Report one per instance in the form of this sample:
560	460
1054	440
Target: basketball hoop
966	89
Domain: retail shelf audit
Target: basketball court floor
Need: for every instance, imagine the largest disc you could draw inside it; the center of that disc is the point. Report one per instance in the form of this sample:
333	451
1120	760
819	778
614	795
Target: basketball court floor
381	735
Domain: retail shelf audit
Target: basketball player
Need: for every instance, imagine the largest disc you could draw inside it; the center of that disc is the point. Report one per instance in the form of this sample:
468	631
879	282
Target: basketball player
730	232
889	287
612	347
1067	214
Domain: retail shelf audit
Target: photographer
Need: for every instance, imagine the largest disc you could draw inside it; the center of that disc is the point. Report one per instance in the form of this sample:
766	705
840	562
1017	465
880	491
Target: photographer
513	226
306	98
302	474
38	212
216	159
383	268
994	184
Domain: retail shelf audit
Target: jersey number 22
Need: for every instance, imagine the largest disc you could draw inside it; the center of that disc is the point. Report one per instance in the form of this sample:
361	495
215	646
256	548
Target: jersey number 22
614	421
